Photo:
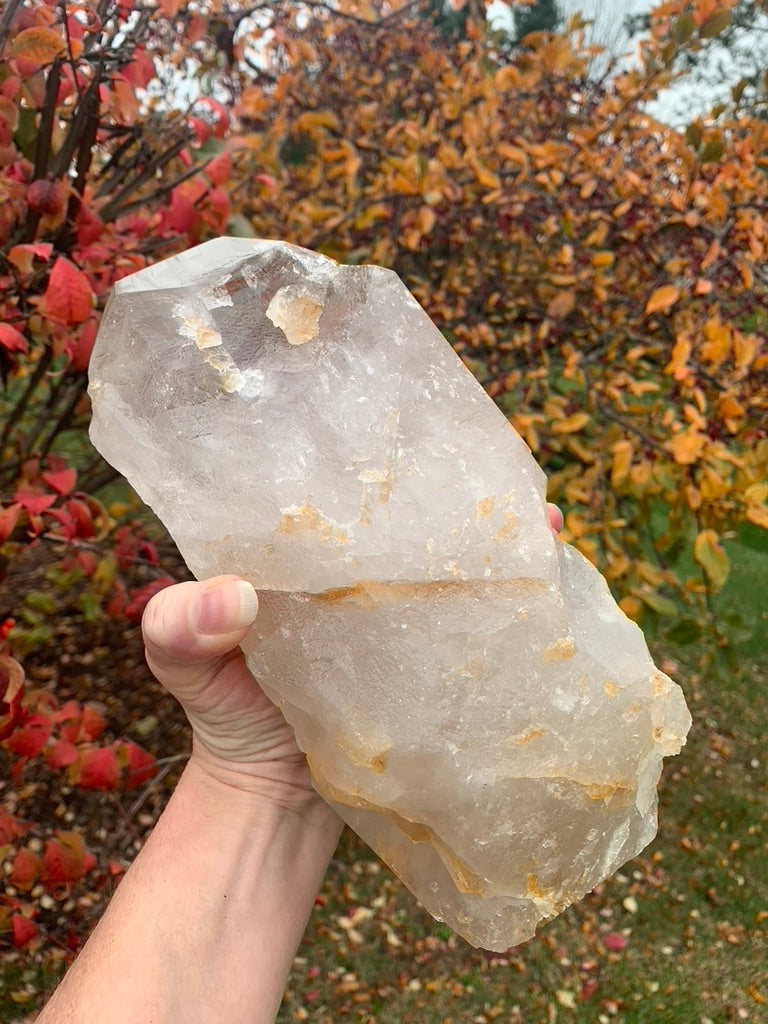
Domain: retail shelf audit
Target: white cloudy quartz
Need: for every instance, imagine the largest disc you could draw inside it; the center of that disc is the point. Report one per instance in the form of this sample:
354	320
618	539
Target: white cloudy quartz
469	696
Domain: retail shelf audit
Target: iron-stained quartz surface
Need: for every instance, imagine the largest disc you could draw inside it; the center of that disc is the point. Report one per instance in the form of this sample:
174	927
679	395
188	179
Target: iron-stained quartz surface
469	696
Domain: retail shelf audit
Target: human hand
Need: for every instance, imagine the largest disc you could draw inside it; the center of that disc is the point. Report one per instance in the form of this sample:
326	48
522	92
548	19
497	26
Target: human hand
191	635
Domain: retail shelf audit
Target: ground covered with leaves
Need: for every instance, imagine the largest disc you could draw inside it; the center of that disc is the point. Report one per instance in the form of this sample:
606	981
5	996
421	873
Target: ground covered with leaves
679	935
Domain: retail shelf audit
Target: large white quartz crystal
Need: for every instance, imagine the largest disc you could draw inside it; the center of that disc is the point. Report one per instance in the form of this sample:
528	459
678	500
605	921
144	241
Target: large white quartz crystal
469	696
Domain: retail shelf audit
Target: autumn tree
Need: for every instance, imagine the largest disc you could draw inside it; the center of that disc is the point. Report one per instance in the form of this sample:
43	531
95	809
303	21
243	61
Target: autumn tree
728	66
599	273
96	181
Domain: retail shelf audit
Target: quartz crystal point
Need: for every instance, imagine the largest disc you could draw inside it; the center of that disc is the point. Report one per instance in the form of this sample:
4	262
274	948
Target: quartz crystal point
470	698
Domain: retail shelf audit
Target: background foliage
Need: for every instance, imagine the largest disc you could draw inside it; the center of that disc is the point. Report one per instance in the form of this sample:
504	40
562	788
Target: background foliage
601	273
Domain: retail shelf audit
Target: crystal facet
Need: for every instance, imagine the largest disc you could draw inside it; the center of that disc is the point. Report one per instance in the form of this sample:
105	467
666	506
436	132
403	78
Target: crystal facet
469	696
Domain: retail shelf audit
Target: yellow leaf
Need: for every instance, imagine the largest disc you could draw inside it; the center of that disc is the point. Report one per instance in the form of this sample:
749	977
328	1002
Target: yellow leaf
756	494
571	423
514	154
687	446
758	515
731	412
677	366
631	607
659	603
39	45
602	259
316	119
426	219
745	348
717	342
711	557
581	451
484	175
622	460
369	216
663	299
693	497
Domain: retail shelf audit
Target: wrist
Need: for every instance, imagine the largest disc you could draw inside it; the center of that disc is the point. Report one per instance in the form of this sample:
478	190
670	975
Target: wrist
262	789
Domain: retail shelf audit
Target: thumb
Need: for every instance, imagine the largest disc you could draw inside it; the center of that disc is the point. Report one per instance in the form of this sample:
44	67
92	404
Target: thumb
189	628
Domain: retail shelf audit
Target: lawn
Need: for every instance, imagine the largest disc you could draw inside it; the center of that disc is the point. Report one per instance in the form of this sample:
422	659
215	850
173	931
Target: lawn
679	935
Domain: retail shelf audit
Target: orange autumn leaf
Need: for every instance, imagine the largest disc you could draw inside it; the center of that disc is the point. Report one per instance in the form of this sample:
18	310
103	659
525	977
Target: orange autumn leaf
663	299
687	446
571	423
717	342
678	364
561	305
38	45
622	460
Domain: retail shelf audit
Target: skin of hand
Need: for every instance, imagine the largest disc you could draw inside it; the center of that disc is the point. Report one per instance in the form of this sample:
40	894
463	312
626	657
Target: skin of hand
191	633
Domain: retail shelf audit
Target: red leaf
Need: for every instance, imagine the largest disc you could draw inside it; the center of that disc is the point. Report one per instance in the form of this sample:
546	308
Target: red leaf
141	70
92	724
97	769
67	718
8	517
169	7
22	930
46	197
10	86
180	215
89	228
33	502
215	113
63	859
199	128
62	754
11	828
76	518
140	766
22	256
68	298
11	689
30	739
60	480
140	598
67	711
24	870
11	339
81	346
219	169
614	942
